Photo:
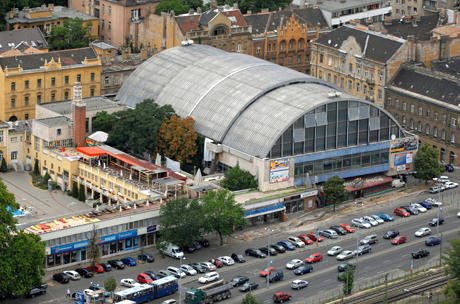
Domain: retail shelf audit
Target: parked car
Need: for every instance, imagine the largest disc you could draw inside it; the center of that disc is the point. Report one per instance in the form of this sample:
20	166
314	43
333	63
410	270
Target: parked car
370	220
437	221
197	245
435	189
228	261
217	262
255	253
339	230
345	255
296	241
209	277
401	212
248	286
97	268
176	272
360	223
432	241
189	248
188	270
363	249
399	240
61	278
347	228
313	237
144	278
106	266
377	218
287	245
116	264
239	280
334	251
129	261
281	297
426	204
98	287
278	248
411	210
204	243
199	268
369	239
385	217
128	283
275	276
419	207
423	232
391	234
313	258
433	202
299	284
208	266
304	238
146	258
420	253
329	233
267	271
73	275
449	167
268	251
303	269
152	275
293	264
238	258
84	272
37	291
342	267
165	273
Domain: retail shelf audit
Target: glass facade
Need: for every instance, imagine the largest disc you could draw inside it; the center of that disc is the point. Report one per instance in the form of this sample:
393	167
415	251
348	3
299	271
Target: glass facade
335	125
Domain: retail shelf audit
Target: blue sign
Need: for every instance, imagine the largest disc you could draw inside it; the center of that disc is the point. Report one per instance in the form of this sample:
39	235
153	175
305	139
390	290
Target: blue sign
69	247
152	228
266	209
79	297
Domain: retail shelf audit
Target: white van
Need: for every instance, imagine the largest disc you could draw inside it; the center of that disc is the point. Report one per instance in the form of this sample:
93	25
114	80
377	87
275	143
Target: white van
173	251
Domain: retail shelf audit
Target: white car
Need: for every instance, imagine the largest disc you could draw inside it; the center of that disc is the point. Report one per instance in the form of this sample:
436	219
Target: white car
209	277
458	214
345	255
450	185
296	241
434	202
176	272
72	274
360	223
419	207
188	269
129	283
370	220
334	250
90	293
208	266
169	301
226	260
423	231
293	264
378	219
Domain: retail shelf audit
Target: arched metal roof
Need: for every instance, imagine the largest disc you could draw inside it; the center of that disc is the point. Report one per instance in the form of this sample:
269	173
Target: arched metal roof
239	100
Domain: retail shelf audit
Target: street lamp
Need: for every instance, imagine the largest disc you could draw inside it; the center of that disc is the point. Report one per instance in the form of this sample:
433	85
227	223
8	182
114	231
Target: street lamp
268	252
180	279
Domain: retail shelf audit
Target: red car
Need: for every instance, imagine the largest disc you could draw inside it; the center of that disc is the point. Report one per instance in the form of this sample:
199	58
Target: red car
401	212
312	237
218	263
144	278
97	268
347	228
281	297
267	271
315	257
304	238
399	240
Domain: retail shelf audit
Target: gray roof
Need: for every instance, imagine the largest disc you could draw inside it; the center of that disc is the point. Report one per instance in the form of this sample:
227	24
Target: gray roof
98	103
336	5
57	12
32	36
450	66
54	121
421	28
229	95
102	45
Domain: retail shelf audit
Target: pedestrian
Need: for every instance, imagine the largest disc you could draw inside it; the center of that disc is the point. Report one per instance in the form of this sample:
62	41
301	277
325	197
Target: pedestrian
68	292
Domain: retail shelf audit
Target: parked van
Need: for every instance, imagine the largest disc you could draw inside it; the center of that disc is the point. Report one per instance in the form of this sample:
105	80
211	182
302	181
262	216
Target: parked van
173	251
397	183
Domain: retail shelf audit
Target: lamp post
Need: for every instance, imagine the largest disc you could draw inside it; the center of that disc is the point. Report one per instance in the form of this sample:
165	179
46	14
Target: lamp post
268	252
180	280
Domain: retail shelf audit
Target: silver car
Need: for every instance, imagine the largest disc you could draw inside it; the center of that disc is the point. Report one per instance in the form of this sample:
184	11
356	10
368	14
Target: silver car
370	220
360	223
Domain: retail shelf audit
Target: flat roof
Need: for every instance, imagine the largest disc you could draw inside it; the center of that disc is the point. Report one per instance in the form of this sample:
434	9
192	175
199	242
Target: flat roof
334	5
98	103
54	121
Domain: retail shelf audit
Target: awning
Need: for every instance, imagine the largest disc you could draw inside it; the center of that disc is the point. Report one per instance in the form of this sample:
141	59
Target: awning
91	151
264	210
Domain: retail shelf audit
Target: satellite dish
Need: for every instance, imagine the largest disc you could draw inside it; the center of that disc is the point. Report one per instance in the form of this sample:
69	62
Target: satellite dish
393	137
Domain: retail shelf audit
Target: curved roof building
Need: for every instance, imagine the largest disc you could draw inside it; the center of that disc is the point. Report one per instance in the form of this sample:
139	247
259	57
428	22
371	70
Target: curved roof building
259	109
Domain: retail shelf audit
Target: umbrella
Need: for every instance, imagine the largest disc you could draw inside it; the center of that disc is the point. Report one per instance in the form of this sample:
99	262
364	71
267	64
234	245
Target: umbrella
158	160
198	179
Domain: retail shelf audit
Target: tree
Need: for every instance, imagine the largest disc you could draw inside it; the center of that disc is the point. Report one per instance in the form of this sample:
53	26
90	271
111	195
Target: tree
181	221
81	193
427	164
177	139
334	191
110	284
171	5
36	168
22	255
93	248
222	214
347	278
104	122
3	167
194	3
249	298
452	267
73	34
256	5
238	179
75	190
197	159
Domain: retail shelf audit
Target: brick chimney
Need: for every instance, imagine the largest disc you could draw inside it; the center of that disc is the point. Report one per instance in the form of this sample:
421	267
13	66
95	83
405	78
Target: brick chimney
78	116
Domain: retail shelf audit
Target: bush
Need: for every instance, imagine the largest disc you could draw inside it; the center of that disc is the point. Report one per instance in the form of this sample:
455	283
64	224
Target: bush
238	179
3	167
81	193
36	168
75	190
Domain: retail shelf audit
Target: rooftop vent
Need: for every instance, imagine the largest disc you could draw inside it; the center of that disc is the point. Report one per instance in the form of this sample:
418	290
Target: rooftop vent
187	42
334	94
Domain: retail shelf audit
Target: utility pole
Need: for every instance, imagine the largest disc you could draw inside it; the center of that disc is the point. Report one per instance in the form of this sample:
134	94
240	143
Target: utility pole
440	251
386	289
268	251
180	280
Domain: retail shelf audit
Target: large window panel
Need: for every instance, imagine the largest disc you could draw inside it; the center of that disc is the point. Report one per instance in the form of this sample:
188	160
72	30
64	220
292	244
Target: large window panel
353	133
310	140
363	131
320	138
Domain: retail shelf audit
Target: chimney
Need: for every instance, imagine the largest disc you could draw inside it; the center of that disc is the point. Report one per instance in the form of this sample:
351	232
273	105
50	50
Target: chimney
124	54
51	6
235	5
302	3
198	10
214	4
78	116
144	53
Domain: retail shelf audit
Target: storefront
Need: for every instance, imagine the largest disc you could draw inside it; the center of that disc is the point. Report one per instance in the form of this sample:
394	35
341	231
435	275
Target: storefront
360	187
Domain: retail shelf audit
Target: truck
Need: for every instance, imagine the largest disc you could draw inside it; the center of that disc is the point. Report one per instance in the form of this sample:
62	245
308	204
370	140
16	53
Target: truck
207	294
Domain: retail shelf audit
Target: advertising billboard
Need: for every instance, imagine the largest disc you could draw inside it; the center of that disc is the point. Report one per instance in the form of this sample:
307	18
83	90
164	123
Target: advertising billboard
279	170
402	159
279	164
279	176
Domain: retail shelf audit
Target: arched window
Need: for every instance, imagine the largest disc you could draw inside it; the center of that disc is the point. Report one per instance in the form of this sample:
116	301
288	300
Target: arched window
435	131
411	124
443	154
443	134
282	46
291	44
300	44
427	129
452	137
419	126
452	157
404	120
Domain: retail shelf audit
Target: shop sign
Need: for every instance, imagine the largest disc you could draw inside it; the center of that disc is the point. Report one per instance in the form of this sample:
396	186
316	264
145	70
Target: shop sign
69	247
265	209
401	168
309	193
402	159
152	228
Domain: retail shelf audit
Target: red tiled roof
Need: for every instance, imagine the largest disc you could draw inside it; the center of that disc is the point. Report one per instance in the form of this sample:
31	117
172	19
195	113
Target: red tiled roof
238	16
187	23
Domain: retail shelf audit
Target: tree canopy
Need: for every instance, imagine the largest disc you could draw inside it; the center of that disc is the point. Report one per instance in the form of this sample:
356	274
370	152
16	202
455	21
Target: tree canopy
238	179
256	5
334	190
249	298
452	263
426	162
104	122
347	277
22	256
73	34
178	6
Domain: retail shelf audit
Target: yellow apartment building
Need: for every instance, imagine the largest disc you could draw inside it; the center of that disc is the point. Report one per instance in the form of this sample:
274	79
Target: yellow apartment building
47	77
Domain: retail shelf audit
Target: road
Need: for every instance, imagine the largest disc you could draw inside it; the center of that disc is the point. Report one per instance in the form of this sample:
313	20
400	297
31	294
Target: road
384	257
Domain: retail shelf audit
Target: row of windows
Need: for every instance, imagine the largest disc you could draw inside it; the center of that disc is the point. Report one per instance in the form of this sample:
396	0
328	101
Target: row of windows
53	81
13	155
52	98
427	129
115	188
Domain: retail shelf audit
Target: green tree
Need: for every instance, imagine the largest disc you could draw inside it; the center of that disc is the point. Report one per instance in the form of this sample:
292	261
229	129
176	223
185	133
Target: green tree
178	6
197	159
426	163
3	167
104	122
222	214
334	191
22	255
110	284
238	179
73	34
256	5
347	278
249	298
45	179
181	221
452	266
36	168
94	252
194	3
81	193
75	190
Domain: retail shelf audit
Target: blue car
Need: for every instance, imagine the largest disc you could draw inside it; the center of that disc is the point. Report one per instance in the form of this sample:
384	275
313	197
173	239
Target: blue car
426	205
303	269
286	245
129	261
432	241
385	217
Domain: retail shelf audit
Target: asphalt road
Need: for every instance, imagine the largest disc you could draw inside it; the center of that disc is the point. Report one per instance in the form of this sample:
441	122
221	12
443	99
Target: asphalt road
383	258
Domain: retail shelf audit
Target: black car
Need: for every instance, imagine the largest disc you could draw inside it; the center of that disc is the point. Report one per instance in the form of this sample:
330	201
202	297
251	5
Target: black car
37	291
391	234
449	168
276	275
339	230
255	253
198	267
189	249
116	264
197	245
363	249
84	272
267	250
152	275
248	286
421	253
239	280
278	248
204	243
61	278
146	258
342	267
303	269
239	258
106	266
435	221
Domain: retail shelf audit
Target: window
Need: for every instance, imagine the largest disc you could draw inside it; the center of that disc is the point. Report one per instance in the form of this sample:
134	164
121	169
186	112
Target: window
435	131
14	155
103	9
116	79
320	75
443	134
39	83
103	24
380	94
78	77
444	118
26	116
335	79
427	129
110	10
14	139
109	26
238	48
26	84
291	45
106	80
452	137
53	96
453	122
412	108
53	81
91	92
350	67
13	86
329	62
404	120
420	111
436	115
404	106
58	132
428	112
258	50
299	59
13	102
299	45
92	76
342	82
380	76
1	135
26	100
39	99
358	87
411	124
66	95
329	77
358	70
321	58
419	126
66	79
350	84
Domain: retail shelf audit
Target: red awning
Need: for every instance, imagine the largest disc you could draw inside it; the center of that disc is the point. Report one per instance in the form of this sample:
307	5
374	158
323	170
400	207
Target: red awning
371	182
91	151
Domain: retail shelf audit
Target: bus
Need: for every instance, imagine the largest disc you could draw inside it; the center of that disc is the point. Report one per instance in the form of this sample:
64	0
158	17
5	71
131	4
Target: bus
146	292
